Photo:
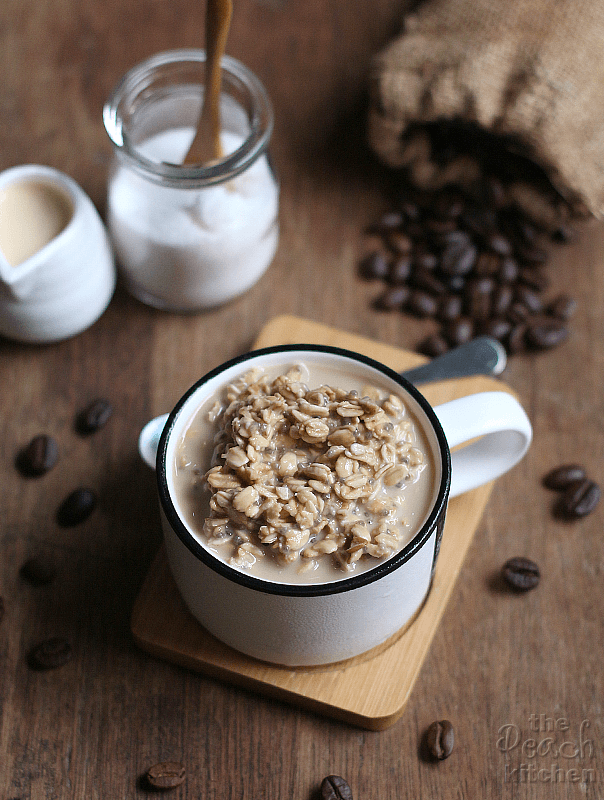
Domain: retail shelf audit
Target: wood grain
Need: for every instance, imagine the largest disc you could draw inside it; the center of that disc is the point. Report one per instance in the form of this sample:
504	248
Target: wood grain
90	729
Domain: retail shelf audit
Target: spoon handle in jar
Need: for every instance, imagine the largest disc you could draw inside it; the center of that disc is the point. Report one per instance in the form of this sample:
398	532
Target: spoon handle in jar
206	146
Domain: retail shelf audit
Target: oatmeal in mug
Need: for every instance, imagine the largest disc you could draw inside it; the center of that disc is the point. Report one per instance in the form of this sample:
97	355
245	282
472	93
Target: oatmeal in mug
304	484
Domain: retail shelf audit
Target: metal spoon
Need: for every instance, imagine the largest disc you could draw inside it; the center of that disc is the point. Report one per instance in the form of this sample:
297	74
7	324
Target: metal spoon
481	356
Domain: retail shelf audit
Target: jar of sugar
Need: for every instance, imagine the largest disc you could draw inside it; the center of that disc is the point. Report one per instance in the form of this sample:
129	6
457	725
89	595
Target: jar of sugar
190	237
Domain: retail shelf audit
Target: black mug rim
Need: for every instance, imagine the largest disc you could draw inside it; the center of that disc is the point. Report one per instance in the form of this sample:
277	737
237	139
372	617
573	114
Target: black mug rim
305	590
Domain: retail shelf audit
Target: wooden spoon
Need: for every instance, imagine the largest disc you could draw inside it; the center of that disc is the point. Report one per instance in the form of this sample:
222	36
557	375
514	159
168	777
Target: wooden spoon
206	146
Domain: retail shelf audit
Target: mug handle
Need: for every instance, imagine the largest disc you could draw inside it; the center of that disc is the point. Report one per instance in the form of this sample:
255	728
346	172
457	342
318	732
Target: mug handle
502	431
148	439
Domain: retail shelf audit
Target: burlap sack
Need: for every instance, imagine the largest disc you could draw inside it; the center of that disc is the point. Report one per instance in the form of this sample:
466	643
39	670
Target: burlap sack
529	69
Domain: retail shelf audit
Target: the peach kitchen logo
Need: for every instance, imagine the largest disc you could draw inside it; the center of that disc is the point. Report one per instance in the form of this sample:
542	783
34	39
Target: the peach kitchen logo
548	749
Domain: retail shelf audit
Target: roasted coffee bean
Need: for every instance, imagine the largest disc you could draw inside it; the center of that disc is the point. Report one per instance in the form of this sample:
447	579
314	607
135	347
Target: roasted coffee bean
534	278
543	334
521	573
448	205
400	269
2	608
165	775
37	572
515	340
531	254
458	331
501	299
424	259
528	298
374	266
76	507
508	270
440	739
564	234
456	283
487	264
387	222
94	417
434	345
40	456
477	295
458	257
335	788
426	280
450	307
499	244
497	327
562	307
50	654
517	312
393	299
422	304
579	499
561	477
399	242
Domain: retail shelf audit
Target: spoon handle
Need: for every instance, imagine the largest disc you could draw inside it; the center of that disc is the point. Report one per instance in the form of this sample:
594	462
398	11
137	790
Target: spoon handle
481	356
206	144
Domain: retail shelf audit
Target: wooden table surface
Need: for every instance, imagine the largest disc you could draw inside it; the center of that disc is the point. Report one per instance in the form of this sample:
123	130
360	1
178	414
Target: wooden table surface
505	668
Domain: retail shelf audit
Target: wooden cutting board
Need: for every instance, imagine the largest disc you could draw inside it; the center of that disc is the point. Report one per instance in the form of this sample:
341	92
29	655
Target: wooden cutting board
370	690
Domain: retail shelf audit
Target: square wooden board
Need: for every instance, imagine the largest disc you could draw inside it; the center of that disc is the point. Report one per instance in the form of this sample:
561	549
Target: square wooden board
371	690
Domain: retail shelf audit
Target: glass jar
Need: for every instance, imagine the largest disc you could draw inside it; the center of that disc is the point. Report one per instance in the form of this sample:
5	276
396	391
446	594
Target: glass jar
188	238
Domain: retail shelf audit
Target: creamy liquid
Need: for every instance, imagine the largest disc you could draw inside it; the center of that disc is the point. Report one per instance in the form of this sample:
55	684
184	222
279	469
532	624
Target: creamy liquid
32	214
193	456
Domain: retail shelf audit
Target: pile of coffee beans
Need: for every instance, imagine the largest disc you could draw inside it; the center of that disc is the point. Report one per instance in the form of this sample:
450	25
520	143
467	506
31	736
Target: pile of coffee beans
578	494
468	248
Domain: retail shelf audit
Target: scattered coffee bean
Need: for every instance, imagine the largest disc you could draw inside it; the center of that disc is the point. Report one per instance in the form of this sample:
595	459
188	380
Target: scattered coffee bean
422	304
94	416
561	477
562	307
544	334
374	266
393	299
335	788
514	342
76	507
2	608
434	345
399	242
440	739
458	331
450	308
38	457
521	574
579	499
37	572
165	775
400	269
50	654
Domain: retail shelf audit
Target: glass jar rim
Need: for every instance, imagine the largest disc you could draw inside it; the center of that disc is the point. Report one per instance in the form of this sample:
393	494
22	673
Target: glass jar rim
136	80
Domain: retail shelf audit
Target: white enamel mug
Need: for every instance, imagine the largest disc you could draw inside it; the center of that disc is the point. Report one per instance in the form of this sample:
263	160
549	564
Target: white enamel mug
310	624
